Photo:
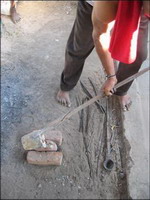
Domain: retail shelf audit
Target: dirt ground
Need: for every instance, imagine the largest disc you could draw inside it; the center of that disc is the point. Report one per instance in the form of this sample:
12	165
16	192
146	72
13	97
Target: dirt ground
32	60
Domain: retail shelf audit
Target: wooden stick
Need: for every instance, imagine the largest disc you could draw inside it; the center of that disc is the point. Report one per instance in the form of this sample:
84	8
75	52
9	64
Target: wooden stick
94	99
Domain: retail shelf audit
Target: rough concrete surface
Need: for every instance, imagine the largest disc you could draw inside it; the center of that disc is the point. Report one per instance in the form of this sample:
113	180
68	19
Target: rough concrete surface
137	132
32	60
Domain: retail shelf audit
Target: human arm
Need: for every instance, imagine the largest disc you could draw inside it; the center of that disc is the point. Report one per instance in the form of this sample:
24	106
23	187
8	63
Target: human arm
101	37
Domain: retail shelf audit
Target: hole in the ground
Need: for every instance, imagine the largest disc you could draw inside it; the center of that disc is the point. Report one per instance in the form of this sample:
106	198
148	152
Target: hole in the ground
108	164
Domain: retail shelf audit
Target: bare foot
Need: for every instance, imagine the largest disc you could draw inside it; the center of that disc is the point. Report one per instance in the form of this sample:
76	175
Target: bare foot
125	102
63	98
14	15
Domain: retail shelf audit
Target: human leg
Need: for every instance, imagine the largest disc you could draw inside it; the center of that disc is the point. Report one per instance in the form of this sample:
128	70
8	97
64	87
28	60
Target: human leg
126	70
79	46
14	15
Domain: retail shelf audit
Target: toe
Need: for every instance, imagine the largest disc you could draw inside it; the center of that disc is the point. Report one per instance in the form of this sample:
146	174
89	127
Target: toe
63	98
128	105
68	103
18	20
58	99
125	102
64	102
124	108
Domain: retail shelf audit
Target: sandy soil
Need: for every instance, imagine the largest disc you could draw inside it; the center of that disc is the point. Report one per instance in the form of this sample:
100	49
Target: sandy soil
32	60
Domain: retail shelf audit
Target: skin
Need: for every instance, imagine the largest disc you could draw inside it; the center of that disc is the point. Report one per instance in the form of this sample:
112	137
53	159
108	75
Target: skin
63	98
102	24
125	102
105	11
14	15
103	16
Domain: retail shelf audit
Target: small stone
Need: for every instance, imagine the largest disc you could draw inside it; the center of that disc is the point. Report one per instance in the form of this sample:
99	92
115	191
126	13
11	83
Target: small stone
122	175
39	186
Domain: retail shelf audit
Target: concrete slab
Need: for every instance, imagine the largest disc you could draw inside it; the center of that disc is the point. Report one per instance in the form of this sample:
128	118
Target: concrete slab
136	126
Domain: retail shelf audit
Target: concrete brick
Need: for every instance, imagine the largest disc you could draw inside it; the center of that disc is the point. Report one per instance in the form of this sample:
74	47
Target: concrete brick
44	158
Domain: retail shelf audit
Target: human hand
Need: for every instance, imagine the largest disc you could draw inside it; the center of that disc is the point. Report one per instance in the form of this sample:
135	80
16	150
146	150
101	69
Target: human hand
108	86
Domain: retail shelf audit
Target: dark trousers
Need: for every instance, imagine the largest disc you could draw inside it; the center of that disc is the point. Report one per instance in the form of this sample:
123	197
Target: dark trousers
80	44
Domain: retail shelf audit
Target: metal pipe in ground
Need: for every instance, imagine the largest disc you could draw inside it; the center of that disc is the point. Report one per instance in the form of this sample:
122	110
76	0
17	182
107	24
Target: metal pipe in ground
108	163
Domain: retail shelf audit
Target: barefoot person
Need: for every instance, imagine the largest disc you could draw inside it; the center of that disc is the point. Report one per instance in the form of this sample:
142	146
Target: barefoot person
121	43
80	44
13	13
9	8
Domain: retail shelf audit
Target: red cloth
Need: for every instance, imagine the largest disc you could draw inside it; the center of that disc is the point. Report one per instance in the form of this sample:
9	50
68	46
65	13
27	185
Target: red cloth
123	44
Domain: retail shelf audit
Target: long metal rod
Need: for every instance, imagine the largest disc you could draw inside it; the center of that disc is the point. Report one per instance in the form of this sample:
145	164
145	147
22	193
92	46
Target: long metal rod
131	78
108	163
